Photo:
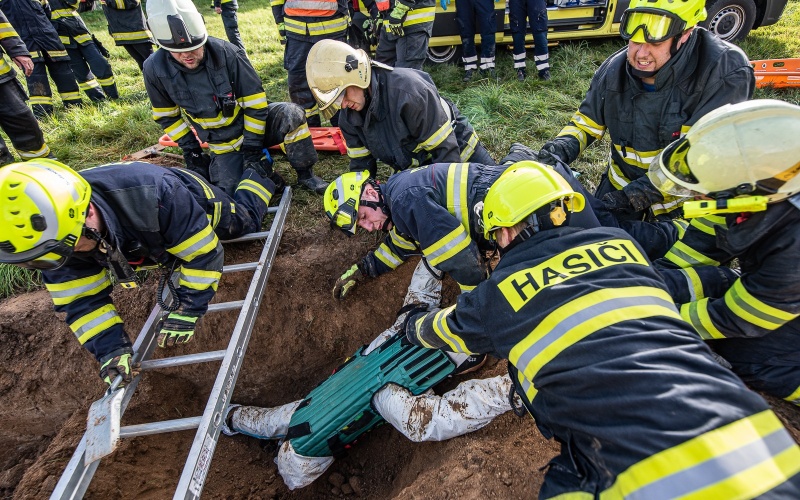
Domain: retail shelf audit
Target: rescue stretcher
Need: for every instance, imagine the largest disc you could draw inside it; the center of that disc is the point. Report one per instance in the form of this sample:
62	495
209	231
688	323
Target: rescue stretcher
325	139
777	73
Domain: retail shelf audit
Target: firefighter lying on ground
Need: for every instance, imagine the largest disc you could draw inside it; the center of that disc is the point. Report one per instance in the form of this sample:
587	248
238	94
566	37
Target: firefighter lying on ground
744	160
210	84
393	115
604	362
433	211
380	382
647	95
85	230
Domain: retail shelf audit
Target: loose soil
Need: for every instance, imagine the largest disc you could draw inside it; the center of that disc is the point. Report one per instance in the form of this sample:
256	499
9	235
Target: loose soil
47	382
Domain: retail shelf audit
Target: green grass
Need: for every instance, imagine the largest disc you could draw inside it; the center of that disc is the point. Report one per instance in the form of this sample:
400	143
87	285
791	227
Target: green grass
502	112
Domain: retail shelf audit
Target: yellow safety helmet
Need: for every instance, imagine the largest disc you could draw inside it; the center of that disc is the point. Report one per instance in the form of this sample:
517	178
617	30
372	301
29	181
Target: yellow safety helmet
43	209
745	155
653	21
342	198
521	190
331	67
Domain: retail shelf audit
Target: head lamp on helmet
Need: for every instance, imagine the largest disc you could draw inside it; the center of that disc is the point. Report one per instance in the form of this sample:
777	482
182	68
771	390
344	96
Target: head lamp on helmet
342	199
331	67
654	21
43	209
523	189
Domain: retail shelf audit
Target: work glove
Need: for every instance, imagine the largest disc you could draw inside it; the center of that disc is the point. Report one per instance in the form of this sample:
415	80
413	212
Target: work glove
445	3
117	363
549	154
617	201
372	29
347	282
411	310
197	161
258	160
282	33
176	329
396	18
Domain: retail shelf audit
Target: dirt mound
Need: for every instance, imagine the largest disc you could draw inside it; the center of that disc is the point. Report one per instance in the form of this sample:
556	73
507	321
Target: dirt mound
47	382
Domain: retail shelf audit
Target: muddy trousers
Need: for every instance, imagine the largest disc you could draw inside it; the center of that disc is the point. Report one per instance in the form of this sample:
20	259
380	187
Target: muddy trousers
18	122
535	12
41	96
470	15
139	52
294	62
93	72
407	51
231	23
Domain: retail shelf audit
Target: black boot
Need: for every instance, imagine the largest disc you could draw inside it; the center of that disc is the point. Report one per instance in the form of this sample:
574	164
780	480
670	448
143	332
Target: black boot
544	74
521	74
467	75
308	180
5	156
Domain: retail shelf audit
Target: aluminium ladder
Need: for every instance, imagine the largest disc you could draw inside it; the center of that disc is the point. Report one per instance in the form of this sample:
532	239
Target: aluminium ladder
78	475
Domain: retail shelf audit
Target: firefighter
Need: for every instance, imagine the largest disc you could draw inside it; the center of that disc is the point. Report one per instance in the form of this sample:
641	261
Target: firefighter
405	30
394	115
86	54
468	14
126	25
744	160
210	84
432	210
300	25
85	230
31	20
16	118
535	12
603	361
227	9
329	419
647	95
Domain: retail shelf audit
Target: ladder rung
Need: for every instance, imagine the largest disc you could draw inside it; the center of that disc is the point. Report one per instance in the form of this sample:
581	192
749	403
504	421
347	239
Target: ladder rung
233	268
226	306
178	424
248	237
188	359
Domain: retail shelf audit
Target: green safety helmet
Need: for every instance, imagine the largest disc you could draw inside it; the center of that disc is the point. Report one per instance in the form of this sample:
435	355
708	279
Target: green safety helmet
342	198
523	189
176	25
44	205
653	21
743	155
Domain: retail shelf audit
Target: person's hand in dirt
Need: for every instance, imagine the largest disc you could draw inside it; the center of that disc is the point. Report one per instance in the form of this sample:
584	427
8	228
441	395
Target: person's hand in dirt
347	282
117	363
176	329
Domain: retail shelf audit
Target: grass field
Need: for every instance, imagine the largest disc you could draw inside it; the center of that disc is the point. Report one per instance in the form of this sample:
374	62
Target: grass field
502	112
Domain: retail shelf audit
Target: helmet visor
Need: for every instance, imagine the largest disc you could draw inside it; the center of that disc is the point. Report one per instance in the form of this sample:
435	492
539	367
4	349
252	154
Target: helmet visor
650	25
333	108
670	172
47	256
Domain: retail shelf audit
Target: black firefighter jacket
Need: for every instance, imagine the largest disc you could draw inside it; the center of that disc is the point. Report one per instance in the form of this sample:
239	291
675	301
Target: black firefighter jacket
126	22
13	46
32	22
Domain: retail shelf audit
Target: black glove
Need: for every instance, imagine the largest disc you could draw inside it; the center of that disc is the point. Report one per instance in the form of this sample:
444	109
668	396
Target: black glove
519	152
258	160
617	201
550	154
411	310
197	161
176	329
117	363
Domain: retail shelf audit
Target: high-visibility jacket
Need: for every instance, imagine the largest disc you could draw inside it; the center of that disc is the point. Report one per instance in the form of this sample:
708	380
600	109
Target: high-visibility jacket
605	364
406	124
126	21
68	23
419	18
312	20
198	93
11	44
32	22
153	215
703	75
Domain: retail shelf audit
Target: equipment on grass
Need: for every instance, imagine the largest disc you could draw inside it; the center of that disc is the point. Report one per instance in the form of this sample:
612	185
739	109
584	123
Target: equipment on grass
324	138
777	73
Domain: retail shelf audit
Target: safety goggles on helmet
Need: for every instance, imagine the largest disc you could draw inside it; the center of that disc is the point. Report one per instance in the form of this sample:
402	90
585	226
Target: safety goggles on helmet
647	25
342	198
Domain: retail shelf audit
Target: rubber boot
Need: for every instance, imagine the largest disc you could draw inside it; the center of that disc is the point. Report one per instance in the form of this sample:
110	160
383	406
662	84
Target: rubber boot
308	180
262	423
6	157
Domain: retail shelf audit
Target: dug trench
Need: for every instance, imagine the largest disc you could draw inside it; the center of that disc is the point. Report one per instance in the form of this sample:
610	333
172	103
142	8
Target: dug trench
47	382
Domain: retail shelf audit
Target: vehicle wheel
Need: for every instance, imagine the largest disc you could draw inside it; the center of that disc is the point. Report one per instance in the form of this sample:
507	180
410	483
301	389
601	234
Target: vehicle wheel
731	20
443	55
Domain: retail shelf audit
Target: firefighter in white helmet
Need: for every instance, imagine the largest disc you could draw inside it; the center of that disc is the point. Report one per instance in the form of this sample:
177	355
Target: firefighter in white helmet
210	84
743	160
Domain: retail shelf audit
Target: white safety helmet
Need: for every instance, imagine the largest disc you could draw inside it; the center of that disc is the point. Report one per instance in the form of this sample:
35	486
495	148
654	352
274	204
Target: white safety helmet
176	25
747	150
331	67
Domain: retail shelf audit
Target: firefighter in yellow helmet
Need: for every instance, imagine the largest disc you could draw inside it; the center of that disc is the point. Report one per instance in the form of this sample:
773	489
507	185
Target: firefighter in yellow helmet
744	160
646	96
83	230
603	361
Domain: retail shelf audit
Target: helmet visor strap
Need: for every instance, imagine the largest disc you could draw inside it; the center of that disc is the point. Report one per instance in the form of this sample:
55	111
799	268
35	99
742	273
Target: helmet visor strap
345	218
48	256
646	25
